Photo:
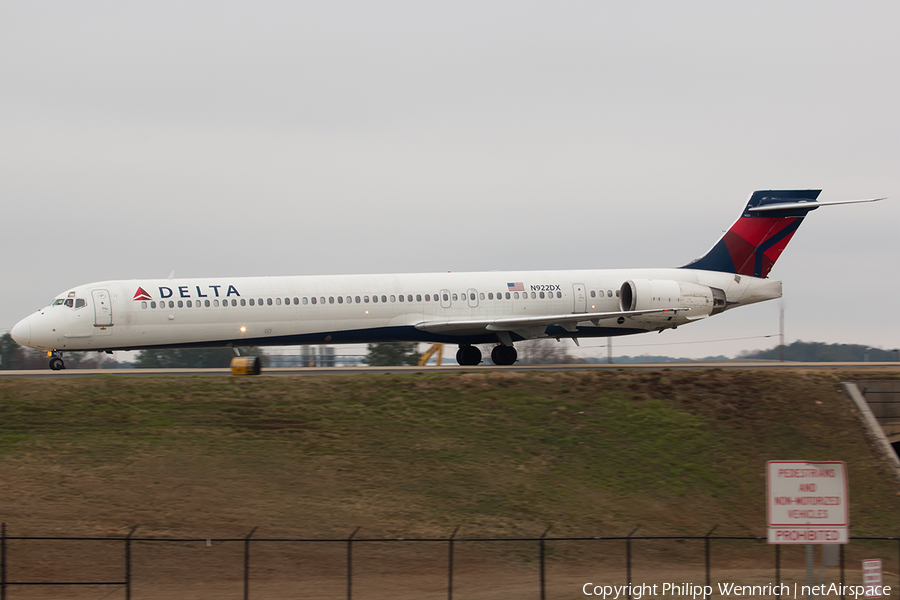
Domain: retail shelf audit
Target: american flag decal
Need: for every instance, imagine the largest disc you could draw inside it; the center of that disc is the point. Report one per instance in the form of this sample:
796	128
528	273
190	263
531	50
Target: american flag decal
518	286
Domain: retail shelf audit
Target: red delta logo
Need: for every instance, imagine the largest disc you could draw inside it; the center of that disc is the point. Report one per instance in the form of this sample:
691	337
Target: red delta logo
141	294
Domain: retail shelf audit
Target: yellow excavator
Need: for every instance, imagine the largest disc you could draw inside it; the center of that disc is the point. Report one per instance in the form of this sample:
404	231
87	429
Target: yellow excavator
437	348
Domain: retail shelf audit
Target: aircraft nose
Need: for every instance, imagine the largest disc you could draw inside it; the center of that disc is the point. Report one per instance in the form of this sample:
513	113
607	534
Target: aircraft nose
21	333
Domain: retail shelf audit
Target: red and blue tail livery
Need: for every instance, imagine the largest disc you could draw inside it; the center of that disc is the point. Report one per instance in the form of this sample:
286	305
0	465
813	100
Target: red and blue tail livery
761	233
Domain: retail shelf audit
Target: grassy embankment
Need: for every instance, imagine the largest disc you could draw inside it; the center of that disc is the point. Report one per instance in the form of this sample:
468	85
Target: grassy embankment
594	453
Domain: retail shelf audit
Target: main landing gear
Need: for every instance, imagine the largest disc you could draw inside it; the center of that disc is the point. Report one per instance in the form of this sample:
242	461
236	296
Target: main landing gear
470	356
56	361
504	355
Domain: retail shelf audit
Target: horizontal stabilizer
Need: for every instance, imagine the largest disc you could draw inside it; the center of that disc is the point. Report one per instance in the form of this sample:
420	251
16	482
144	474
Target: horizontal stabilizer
807	205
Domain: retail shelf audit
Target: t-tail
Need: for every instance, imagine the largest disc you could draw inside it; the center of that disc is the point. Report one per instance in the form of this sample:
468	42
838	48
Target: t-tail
762	232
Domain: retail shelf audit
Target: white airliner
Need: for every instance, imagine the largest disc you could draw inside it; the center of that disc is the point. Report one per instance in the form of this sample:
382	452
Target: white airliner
461	308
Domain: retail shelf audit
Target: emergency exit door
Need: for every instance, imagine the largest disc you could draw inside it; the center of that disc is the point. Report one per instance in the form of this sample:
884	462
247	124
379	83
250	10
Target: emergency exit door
580	297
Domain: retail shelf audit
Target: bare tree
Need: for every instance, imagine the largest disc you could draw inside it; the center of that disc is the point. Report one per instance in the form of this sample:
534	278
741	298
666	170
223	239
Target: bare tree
545	351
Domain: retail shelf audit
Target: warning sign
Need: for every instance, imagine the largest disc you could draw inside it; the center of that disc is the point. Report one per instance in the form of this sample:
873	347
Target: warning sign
872	577
807	502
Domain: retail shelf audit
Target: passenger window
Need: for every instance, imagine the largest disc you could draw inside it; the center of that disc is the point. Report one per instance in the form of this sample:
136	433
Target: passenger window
533	295
243	302
409	298
252	303
384	298
393	299
306	300
233	302
455	297
366	299
559	294
401	298
357	299
507	295
189	304
593	294
278	301
340	299
374	298
171	304
481	295
269	301
153	304
206	303
321	299
313	299
542	295
427	297
260	301
418	297
490	295
215	303
330	299
144	304
609	293
446	298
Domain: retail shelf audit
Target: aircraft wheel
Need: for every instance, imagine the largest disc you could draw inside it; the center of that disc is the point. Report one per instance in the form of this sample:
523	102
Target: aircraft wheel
504	355
57	364
468	356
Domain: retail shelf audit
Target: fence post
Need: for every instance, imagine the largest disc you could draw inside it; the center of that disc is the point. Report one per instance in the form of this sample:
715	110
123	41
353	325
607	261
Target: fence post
450	563
778	570
247	562
628	558
128	563
350	564
3	561
543	577
709	533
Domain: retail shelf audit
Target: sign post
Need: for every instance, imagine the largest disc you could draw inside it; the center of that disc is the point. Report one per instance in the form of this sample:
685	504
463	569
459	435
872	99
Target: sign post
807	502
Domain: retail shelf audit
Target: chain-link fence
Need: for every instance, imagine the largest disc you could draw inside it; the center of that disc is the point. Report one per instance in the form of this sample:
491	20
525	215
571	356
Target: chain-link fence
696	567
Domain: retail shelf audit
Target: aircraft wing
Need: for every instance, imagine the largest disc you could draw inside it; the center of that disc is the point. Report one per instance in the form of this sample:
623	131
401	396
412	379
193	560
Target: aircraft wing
530	325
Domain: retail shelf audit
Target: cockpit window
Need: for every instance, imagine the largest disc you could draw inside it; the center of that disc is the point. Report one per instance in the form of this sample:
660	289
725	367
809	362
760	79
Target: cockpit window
70	302
57	302
80	303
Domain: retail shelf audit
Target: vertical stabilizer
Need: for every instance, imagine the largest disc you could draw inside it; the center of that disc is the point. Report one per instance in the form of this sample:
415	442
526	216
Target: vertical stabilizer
760	234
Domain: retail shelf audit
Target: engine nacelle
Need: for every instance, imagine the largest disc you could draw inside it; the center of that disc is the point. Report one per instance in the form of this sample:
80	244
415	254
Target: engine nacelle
647	294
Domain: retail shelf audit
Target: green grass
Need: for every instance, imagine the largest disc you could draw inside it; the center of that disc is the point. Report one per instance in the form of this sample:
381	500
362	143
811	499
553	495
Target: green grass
591	452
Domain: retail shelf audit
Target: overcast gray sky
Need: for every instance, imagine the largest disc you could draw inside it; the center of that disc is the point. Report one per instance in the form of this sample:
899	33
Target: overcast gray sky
281	138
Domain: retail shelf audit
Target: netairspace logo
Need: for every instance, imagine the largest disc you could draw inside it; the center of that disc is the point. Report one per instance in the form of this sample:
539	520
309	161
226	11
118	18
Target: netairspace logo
697	592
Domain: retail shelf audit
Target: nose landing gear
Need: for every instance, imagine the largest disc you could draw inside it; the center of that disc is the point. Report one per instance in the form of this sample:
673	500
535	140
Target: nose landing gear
56	361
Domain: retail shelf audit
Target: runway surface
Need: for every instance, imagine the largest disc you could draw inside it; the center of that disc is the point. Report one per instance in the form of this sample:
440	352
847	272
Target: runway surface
846	366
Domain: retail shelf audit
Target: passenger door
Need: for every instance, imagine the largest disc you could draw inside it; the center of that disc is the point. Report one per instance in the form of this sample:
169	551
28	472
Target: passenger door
103	316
